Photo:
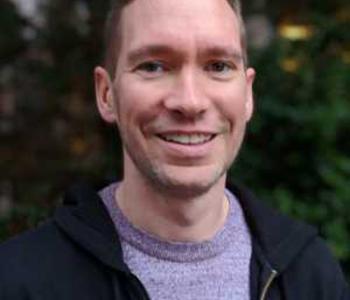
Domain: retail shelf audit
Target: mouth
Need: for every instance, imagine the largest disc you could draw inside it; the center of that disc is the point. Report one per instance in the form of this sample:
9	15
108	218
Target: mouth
187	139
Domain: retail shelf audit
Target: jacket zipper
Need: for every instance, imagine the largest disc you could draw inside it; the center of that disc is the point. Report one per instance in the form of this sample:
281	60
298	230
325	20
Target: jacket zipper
268	283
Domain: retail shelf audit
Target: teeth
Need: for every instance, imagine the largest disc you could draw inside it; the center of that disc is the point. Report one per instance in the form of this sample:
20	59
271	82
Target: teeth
187	139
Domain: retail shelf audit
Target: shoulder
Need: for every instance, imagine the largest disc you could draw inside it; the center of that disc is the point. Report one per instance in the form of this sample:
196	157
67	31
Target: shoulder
305	263
27	259
316	269
320	258
31	243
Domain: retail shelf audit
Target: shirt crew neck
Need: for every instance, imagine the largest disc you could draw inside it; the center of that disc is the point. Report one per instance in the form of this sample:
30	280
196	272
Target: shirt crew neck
174	251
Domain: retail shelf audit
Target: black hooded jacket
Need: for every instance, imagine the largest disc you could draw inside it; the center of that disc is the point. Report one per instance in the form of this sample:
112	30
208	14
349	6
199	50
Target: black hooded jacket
77	255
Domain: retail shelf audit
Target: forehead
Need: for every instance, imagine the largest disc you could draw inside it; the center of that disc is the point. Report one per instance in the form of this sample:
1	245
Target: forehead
179	22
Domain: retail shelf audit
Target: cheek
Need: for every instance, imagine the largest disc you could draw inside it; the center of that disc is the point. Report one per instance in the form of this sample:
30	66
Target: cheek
137	104
232	103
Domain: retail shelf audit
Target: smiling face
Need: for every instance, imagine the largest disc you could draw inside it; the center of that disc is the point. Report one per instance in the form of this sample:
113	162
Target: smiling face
181	95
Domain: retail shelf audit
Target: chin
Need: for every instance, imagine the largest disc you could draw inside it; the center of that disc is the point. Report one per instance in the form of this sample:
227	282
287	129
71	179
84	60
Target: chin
187	181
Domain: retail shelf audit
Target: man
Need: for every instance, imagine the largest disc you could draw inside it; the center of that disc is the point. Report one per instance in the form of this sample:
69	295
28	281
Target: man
177	85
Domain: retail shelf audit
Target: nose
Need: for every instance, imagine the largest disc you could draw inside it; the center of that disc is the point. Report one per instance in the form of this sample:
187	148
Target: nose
187	98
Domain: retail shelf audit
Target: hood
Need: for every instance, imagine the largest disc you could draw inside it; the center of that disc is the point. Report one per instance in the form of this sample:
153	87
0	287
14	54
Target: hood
84	218
279	239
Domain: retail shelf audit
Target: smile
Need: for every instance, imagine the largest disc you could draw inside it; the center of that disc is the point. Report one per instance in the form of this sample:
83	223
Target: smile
187	139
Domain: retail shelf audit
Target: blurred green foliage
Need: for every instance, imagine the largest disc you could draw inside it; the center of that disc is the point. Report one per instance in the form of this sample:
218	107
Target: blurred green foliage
296	154
297	151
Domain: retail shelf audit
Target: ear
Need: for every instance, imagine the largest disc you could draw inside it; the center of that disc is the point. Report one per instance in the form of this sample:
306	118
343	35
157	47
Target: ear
104	95
249	105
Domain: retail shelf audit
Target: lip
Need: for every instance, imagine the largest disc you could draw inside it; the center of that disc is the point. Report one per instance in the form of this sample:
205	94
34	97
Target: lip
207	132
187	151
194	138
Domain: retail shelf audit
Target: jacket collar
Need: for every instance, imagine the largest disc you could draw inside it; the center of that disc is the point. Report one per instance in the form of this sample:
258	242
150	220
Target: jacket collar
276	238
87	222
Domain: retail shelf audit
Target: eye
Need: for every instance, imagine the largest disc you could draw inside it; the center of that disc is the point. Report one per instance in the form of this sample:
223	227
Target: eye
220	69
151	69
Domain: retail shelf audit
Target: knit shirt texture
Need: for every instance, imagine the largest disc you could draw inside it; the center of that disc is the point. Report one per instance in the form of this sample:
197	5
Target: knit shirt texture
216	269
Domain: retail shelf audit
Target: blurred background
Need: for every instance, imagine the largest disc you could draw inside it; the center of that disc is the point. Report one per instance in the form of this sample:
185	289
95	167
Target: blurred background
297	151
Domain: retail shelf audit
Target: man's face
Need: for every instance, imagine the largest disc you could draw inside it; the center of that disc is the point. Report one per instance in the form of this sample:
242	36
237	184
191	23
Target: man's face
182	96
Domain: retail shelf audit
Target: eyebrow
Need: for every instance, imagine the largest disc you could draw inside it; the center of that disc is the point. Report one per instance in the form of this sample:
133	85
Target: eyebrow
152	50
159	50
227	52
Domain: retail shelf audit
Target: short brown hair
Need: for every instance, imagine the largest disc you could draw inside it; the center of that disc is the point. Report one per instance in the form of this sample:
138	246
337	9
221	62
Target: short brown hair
112	33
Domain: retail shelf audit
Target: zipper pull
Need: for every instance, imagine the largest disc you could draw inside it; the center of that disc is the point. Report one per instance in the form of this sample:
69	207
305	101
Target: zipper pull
268	283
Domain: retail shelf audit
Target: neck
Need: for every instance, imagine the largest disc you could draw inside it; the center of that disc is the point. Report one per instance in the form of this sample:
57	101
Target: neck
174	218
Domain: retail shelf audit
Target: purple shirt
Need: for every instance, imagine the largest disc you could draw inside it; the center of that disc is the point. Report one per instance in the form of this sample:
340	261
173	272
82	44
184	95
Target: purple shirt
209	270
